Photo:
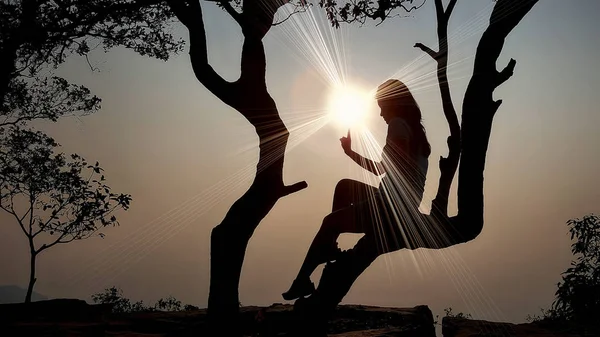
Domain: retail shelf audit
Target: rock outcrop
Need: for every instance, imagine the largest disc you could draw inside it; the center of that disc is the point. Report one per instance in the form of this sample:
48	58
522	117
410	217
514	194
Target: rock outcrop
462	327
66	317
77	318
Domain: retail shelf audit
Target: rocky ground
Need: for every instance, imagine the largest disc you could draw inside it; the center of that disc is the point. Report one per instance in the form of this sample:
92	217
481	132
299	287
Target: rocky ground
77	318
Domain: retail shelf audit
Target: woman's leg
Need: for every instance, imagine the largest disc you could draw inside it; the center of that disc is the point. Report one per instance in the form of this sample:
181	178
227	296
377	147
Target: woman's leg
321	249
348	192
341	220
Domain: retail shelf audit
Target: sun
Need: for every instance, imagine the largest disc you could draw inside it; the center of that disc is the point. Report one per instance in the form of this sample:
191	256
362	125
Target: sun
348	106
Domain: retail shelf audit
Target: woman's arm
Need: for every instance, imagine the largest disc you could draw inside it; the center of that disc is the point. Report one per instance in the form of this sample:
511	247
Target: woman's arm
368	164
373	166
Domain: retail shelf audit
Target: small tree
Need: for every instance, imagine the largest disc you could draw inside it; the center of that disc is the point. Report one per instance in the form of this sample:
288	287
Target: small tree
578	294
53	198
36	37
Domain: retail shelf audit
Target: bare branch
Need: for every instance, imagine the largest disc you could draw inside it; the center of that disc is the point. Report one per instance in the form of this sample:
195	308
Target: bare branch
297	9
411	8
57	241
449	165
506	73
435	55
287	190
31	206
449	9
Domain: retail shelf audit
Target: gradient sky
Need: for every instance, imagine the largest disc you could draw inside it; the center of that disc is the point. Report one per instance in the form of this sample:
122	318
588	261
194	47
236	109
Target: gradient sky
186	157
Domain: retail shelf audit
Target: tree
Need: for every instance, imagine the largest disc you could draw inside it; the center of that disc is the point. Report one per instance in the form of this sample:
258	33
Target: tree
250	97
38	36
52	197
467	143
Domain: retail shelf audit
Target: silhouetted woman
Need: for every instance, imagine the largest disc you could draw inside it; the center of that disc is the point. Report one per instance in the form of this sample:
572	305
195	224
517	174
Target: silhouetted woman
386	215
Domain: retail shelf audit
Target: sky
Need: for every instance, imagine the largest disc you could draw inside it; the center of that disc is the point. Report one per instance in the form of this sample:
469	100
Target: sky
185	157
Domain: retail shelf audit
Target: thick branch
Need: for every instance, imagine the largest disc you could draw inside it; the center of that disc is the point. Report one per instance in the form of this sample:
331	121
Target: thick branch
189	13
479	108
259	16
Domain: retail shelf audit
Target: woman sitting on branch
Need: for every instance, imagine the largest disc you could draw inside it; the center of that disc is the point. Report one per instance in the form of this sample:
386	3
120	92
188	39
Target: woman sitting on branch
388	215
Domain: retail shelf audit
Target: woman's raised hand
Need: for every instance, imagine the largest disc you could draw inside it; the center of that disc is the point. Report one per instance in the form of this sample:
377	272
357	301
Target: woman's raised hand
346	143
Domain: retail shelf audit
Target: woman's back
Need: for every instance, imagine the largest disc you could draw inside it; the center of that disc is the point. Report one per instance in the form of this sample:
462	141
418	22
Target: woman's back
405	163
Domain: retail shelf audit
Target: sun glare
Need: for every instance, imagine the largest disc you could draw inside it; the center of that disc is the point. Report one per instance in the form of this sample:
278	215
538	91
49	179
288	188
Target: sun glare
348	106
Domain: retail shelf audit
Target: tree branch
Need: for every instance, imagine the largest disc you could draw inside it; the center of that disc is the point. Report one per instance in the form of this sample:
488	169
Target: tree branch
506	73
189	13
439	11
12	212
303	8
259	17
57	241
287	190
448	165
31	205
449	9
434	55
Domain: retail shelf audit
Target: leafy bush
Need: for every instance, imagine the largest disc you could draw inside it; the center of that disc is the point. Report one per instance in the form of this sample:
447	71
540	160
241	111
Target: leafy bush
577	299
578	294
114	296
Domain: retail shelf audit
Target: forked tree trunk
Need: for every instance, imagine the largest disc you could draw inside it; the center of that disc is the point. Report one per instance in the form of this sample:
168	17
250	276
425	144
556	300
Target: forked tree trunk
230	238
249	96
477	116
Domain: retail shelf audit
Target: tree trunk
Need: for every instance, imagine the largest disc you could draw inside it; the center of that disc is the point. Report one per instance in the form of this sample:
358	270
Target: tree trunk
32	278
478	112
230	238
250	97
479	109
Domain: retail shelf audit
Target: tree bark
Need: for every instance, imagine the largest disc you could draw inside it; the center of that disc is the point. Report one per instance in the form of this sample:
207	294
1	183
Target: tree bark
477	116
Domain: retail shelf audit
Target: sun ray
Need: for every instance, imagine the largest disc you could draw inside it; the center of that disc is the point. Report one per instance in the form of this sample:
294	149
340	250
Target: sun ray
315	44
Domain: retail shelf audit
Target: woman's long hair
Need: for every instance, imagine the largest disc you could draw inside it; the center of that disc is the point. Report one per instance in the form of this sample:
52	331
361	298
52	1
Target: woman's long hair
395	93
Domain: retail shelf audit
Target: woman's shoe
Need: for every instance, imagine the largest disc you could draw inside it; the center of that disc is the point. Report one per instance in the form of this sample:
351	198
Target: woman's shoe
299	288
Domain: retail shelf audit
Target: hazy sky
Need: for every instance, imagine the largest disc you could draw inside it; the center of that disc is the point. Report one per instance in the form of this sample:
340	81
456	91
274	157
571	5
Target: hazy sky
186	157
